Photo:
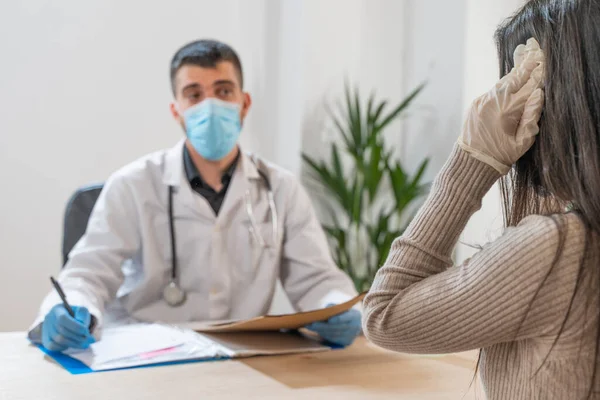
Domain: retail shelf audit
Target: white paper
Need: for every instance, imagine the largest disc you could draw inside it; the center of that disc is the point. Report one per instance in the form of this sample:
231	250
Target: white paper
129	340
196	347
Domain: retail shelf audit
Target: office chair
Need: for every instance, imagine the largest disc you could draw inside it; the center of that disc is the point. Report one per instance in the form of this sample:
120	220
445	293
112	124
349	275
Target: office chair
77	214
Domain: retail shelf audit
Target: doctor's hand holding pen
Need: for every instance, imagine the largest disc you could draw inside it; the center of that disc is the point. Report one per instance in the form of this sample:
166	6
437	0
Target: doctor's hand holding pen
66	326
61	331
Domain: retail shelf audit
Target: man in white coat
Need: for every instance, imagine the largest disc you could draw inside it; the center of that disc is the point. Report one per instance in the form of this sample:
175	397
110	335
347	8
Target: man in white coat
198	232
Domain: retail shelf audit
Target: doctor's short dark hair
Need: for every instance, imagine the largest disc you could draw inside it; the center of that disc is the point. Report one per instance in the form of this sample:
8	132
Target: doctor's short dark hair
205	53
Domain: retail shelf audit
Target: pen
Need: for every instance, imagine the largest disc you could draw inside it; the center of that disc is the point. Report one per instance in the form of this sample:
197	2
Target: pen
62	296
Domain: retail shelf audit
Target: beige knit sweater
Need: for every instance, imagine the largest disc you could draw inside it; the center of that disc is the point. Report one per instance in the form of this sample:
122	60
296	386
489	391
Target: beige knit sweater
508	300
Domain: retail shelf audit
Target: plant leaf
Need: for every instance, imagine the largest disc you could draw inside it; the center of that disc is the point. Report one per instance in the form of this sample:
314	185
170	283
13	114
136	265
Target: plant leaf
401	107
342	132
329	181
370	110
375	171
420	171
358	117
377	114
353	124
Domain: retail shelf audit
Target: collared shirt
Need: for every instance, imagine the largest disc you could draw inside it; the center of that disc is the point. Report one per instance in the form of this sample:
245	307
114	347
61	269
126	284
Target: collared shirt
215	199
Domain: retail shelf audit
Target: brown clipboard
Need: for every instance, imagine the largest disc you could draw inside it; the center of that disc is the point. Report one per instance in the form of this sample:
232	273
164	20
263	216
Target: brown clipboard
275	322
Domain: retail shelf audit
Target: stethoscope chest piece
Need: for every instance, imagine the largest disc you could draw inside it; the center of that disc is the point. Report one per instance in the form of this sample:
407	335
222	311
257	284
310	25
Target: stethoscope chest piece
173	294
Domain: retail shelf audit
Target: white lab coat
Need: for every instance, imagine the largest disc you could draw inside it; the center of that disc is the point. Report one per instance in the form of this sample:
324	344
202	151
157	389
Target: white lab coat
123	262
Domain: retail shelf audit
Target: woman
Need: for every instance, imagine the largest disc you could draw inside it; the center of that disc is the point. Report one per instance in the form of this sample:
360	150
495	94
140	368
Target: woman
529	300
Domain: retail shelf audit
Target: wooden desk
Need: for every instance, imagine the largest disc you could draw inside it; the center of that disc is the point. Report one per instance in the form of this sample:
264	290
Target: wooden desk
360	372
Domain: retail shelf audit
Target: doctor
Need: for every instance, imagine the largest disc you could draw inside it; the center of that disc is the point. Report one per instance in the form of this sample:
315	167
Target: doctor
199	232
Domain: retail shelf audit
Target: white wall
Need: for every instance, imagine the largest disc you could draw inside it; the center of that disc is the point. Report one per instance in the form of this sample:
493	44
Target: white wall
480	74
84	90
435	53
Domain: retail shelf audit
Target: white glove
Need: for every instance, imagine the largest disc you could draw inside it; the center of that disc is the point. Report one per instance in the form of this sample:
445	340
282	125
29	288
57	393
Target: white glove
502	124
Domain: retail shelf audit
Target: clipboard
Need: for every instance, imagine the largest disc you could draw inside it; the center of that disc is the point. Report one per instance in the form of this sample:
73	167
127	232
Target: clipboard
274	322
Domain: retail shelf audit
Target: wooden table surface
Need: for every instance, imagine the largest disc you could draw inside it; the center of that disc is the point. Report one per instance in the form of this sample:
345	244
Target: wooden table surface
362	371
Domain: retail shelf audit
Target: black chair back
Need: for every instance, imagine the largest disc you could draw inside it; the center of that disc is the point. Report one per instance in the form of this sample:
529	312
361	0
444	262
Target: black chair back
77	214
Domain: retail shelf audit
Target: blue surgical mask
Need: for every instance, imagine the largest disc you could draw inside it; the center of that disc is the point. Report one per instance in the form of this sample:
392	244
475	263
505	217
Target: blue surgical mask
213	127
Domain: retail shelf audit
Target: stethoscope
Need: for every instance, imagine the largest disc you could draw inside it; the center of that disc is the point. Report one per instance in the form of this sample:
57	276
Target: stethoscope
173	294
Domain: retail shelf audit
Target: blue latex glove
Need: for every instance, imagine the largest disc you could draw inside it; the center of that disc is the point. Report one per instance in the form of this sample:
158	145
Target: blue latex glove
60	331
341	329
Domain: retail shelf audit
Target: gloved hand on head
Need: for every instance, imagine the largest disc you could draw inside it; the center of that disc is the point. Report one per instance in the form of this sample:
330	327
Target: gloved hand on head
341	329
502	124
60	331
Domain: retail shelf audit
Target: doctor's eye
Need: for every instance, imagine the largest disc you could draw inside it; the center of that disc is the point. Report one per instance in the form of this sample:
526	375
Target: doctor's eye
195	97
224	93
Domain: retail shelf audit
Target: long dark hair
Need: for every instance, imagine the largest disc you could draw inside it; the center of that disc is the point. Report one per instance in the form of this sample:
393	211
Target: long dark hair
563	166
562	169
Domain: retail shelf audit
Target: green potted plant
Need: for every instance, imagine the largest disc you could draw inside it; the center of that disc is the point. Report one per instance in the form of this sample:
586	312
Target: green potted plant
369	194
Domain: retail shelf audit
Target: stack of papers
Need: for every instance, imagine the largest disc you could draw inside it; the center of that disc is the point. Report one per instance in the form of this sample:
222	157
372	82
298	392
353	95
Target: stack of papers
145	344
